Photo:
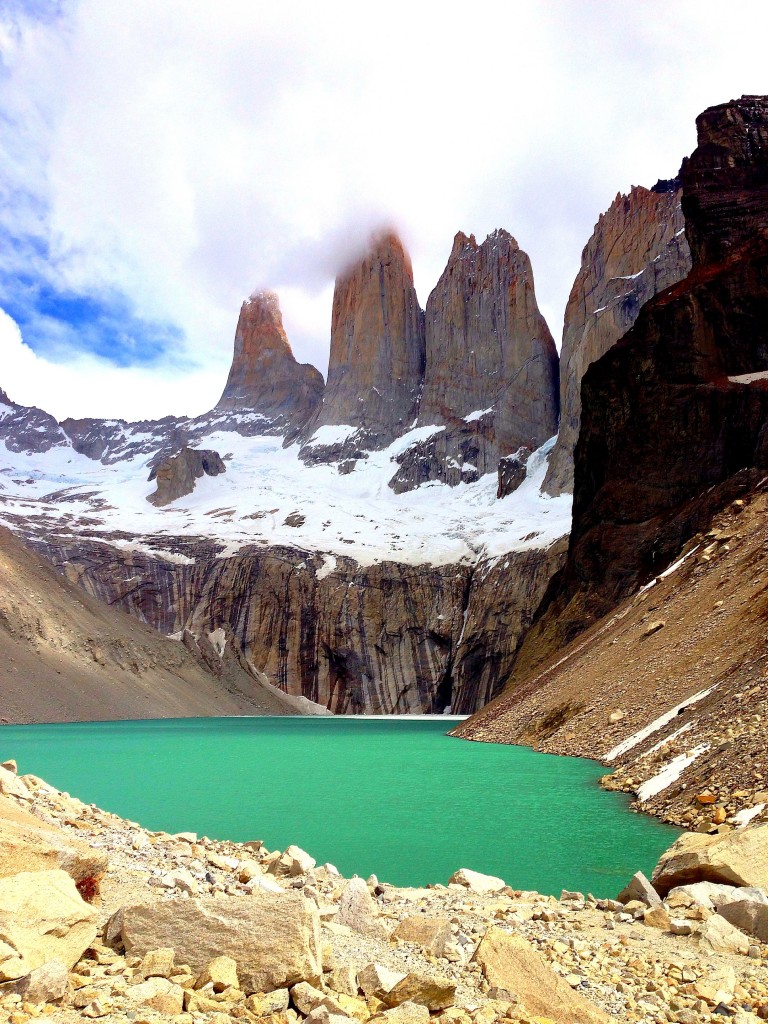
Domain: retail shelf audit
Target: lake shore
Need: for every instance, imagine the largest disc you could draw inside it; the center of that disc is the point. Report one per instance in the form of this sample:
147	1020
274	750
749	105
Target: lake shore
613	959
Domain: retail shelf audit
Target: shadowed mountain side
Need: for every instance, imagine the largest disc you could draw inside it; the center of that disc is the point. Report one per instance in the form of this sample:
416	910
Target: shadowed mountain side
65	656
638	249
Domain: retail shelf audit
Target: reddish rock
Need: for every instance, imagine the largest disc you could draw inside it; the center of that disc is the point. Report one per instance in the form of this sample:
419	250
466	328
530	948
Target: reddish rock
377	353
638	249
265	376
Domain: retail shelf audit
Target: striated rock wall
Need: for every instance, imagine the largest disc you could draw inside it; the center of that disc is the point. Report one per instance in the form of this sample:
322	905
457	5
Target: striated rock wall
377	351
264	376
386	638
638	249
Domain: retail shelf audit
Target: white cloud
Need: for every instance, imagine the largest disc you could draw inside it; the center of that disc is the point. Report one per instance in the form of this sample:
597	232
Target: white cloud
188	152
93	387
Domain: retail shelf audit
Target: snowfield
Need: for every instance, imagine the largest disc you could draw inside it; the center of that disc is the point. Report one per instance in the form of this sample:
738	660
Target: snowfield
356	514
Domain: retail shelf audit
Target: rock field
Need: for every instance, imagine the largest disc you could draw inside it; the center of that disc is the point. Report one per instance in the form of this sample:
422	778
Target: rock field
199	931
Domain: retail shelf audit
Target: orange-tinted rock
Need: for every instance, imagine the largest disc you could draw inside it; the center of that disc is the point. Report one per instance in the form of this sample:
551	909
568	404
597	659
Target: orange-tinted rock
638	248
377	352
265	377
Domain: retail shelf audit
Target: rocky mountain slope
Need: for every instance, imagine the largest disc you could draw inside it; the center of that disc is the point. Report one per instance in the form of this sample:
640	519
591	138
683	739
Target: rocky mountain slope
186	928
638	249
692	374
65	656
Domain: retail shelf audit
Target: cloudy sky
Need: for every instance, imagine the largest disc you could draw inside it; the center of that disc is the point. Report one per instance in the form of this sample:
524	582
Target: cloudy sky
161	159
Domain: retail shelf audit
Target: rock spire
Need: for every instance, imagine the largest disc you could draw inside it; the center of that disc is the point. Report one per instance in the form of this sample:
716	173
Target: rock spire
265	376
377	351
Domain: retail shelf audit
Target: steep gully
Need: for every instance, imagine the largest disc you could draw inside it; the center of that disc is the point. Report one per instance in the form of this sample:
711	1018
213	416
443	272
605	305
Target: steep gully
386	637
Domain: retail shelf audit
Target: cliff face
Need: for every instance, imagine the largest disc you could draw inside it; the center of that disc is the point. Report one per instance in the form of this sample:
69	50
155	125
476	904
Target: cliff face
491	375
638	249
376	362
265	377
386	638
675	416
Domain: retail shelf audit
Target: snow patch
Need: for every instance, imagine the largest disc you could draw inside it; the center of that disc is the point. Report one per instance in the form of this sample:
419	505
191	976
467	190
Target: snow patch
747	378
477	415
669	773
218	640
329	564
743	818
655	725
331	434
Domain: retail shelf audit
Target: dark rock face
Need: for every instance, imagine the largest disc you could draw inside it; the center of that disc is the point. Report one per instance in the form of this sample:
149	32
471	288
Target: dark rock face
489	357
265	377
512	471
176	476
726	180
377	355
638	249
675	420
27	429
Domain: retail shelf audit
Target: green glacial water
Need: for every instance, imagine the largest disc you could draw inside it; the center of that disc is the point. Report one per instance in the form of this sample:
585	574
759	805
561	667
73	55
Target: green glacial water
396	798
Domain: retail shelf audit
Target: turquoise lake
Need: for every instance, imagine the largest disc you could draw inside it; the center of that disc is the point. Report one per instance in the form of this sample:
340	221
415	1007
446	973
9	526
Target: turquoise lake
396	798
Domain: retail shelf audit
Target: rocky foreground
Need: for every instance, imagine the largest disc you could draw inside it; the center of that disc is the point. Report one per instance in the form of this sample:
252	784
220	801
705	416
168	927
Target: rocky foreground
102	919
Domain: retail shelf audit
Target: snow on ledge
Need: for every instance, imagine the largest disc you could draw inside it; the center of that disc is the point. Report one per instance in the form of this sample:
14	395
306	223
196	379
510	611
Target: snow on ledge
655	725
331	434
747	378
669	773
477	414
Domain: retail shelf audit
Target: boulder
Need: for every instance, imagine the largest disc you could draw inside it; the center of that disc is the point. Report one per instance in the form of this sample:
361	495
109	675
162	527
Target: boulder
748	916
42	918
358	909
275	938
220	974
11	785
720	936
431	933
158	963
510	962
405	1013
292	863
46	984
263	1004
375	980
639	888
433	992
739	858
29	844
158	994
477	882
177	474
712	895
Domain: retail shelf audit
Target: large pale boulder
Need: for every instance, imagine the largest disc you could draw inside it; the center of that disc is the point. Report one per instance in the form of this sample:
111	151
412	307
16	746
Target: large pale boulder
42	918
29	844
431	933
358	910
510	962
738	858
475	881
720	936
274	938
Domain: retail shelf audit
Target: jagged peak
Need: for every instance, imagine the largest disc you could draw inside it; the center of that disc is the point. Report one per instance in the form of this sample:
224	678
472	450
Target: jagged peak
4	399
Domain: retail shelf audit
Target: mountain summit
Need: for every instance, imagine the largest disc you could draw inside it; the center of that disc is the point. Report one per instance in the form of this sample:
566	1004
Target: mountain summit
265	376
